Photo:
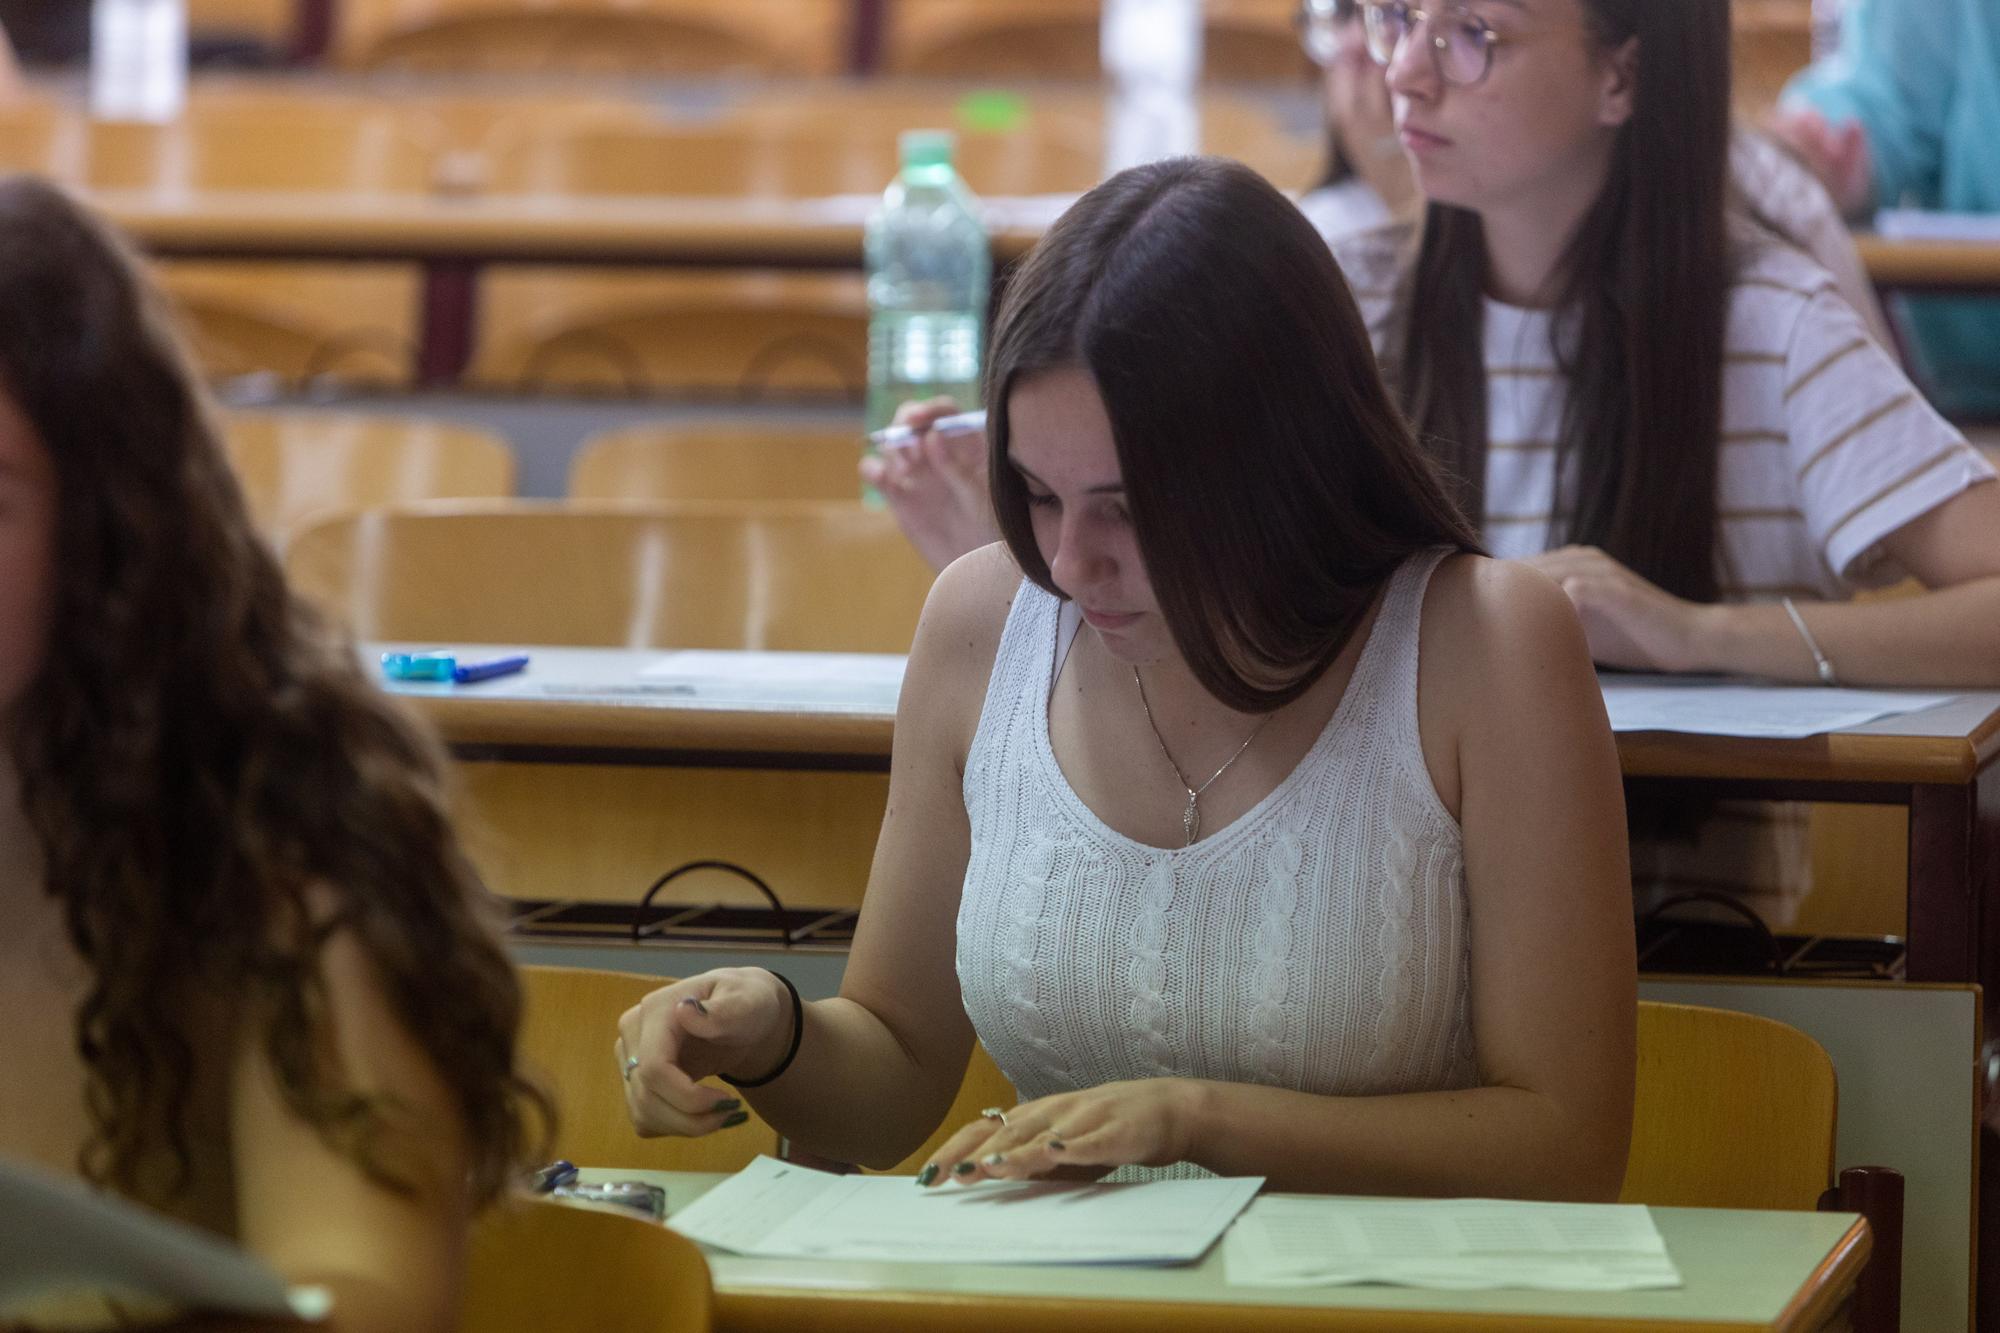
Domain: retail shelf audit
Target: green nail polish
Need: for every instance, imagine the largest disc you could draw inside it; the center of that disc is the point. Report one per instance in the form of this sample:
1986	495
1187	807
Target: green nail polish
728	1104
964	1169
995	1158
1057	1145
740	1118
927	1175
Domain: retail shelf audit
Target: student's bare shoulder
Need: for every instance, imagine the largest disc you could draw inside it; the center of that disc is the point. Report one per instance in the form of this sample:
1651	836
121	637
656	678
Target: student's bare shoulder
968	607
958	638
1499	624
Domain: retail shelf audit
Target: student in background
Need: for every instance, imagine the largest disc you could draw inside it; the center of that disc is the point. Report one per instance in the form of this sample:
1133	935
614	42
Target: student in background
247	972
1369	182
1905	115
937	489
1677	418
1174	823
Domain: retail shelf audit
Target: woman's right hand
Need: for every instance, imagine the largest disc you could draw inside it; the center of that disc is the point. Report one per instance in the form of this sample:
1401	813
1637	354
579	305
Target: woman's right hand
735	1020
936	488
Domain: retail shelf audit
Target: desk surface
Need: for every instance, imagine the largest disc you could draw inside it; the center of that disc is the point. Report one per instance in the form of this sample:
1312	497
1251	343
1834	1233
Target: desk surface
1930	265
1743	1270
594	708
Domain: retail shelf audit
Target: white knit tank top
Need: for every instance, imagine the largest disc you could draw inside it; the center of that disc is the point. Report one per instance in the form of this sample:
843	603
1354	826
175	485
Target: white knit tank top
1317	943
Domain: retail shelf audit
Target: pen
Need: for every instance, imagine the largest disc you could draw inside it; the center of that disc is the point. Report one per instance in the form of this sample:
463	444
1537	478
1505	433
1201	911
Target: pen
902	437
499	666
554	1176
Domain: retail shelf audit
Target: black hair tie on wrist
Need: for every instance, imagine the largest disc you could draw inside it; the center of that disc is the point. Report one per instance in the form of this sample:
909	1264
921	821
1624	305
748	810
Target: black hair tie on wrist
791	1052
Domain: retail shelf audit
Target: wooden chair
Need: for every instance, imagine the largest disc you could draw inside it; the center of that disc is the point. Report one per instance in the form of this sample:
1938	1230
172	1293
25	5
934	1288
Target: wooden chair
984	1085
296	466
538	1266
567	1034
268	23
595	36
726	335
352	324
296	325
1732	1110
835	578
719	462
1243	40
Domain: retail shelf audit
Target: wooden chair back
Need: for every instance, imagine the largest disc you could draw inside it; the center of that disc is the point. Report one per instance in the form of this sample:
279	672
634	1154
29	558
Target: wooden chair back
567	1034
538	1266
297	325
297	466
595	36
719	462
1242	40
1731	1111
831	578
268	22
983	1086
745	335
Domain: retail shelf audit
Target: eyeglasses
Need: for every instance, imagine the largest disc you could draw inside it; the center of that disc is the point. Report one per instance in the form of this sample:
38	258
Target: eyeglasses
1319	23
1461	43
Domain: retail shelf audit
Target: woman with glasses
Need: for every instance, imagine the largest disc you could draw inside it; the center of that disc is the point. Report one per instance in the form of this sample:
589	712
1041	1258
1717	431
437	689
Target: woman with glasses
1176	824
1368	181
1677	418
1674	416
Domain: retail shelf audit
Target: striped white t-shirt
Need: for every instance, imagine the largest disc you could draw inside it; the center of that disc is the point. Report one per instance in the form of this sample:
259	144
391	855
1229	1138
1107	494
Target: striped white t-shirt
1827	449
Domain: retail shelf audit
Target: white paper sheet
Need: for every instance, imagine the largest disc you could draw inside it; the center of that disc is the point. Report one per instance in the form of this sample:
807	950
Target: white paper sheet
1920	224
858	682
59	1239
1459	1244
777	1211
1731	708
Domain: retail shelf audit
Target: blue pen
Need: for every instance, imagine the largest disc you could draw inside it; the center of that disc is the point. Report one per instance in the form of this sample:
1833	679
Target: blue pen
499	666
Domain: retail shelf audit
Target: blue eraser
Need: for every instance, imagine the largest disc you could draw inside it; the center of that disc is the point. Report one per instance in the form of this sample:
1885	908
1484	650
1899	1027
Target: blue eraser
419	666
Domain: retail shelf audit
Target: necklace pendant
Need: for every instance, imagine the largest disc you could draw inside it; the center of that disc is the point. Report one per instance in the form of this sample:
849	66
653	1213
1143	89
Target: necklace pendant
1191	821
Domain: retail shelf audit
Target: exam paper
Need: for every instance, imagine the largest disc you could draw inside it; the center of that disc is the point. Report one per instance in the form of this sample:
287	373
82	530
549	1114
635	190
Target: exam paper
776	1211
1731	708
1921	224
860	682
60	1240
1458	1244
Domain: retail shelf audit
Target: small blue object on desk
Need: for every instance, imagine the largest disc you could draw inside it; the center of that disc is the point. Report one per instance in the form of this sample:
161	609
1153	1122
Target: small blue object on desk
446	667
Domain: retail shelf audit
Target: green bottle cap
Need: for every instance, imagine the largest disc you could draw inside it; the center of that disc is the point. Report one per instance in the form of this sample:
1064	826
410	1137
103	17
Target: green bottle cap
925	148
993	111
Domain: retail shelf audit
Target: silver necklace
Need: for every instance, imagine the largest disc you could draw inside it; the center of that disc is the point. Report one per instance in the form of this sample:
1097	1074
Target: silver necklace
1191	817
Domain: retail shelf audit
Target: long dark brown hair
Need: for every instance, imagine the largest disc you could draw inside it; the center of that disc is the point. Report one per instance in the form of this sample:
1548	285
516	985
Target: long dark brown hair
1642	311
216	788
1272	483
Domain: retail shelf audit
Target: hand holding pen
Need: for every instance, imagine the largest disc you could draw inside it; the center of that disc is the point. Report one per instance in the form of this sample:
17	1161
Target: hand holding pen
932	472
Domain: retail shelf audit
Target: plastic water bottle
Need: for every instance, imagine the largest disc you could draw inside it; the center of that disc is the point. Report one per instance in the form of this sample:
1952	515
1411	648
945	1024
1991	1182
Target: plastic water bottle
930	269
138	59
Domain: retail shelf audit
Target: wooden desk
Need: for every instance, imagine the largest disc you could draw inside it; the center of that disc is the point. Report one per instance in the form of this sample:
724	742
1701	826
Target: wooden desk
1967	267
1938	763
445	217
589	706
1743	1271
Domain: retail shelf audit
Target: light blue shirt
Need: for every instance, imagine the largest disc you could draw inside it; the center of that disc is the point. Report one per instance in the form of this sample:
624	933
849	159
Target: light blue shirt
1923	79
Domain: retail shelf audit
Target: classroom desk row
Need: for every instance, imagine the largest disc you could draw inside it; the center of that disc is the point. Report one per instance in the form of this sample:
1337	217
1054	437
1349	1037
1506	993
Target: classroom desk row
590	706
1742	1271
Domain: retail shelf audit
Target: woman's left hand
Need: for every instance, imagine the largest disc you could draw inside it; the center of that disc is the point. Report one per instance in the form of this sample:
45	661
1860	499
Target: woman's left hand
1074	1135
1629	622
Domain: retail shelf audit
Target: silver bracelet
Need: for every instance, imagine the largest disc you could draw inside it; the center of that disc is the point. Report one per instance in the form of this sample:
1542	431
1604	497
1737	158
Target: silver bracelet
1820	660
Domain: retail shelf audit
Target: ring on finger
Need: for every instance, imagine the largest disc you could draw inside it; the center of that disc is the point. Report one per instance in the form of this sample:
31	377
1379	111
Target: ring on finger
994	1113
631	1063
